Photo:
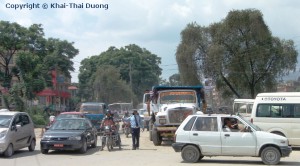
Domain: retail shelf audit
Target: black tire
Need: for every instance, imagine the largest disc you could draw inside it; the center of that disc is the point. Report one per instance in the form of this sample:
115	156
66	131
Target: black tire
44	151
31	147
270	155
156	138
83	148
94	145
103	140
9	151
190	154
108	143
150	130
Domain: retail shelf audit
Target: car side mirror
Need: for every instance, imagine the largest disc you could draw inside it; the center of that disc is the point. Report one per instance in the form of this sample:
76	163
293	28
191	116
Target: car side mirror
15	127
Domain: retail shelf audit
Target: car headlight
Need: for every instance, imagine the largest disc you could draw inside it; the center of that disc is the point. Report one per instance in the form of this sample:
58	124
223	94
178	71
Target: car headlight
46	138
3	133
77	138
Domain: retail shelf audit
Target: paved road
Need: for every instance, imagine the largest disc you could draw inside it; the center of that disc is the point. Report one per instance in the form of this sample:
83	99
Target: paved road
147	155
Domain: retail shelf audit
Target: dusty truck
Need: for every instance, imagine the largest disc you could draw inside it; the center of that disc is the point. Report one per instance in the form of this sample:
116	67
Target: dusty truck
169	106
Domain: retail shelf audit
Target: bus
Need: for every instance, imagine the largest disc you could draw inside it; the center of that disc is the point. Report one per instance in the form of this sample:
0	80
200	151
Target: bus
120	108
243	107
93	108
278	113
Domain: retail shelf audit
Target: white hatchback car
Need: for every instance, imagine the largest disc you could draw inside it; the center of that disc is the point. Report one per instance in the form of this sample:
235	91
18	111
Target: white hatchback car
208	135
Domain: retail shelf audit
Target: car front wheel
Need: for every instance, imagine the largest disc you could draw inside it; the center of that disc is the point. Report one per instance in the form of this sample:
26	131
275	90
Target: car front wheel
190	154
270	156
9	151
83	149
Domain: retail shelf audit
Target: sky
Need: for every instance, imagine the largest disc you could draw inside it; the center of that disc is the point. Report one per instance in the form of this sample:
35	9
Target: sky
151	24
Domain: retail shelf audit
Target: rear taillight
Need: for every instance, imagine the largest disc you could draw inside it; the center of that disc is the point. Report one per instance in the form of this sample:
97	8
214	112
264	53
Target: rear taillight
251	120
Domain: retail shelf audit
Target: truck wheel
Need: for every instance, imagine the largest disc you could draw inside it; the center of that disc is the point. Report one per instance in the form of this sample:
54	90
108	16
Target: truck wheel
270	156
150	130
156	138
190	154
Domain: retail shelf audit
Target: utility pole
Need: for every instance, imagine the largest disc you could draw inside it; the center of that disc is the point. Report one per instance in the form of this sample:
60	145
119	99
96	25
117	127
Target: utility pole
130	80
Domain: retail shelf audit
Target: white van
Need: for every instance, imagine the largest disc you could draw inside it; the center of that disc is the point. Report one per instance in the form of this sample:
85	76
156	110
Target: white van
243	107
278	113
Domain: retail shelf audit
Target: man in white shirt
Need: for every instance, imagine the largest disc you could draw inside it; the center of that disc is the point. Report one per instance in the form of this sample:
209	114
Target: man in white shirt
136	125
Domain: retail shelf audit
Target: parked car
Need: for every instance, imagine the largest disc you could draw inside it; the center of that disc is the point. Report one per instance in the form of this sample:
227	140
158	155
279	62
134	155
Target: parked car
69	134
16	132
208	135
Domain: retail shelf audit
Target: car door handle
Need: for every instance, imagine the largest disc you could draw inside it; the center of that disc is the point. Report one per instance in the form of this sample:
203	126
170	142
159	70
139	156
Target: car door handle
227	135
195	134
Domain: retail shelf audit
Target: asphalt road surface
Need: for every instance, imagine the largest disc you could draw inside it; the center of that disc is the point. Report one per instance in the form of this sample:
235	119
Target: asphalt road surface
148	154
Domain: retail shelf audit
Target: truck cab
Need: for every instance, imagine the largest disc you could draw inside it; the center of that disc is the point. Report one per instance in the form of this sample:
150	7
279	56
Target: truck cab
169	106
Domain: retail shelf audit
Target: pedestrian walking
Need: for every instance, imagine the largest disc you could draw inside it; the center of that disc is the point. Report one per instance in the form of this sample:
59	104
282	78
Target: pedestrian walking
136	126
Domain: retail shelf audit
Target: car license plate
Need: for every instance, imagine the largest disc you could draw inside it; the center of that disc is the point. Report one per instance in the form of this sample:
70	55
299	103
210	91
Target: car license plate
58	145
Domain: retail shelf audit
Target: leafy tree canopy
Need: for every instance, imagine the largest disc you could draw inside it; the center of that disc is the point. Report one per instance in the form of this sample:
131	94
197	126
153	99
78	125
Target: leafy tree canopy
138	67
239	53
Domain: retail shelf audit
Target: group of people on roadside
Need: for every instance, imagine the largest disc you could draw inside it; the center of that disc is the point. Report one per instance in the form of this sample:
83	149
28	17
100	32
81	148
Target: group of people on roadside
135	124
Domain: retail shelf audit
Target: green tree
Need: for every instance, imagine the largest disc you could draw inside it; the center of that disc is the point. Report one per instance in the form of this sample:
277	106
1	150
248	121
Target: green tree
241	55
108	86
137	66
12	40
175	80
34	56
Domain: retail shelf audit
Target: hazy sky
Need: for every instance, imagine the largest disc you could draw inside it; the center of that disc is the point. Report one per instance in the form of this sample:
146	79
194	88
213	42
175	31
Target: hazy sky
151	24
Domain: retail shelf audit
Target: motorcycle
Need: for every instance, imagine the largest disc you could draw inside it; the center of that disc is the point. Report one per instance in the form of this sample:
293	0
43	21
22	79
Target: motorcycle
126	128
110	138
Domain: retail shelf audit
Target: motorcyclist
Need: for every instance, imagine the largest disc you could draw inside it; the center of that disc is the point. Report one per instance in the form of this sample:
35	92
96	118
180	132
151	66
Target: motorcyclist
108	121
125	118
